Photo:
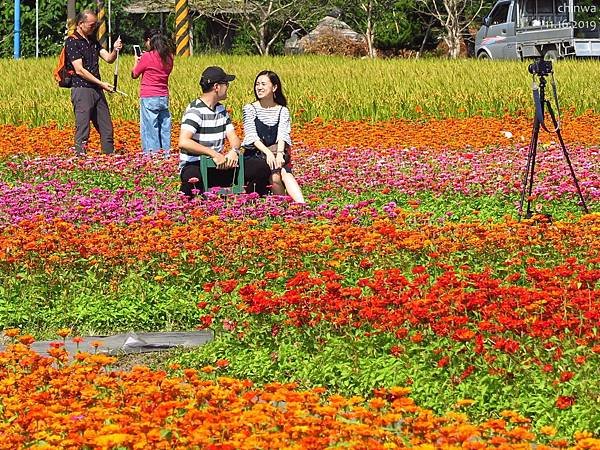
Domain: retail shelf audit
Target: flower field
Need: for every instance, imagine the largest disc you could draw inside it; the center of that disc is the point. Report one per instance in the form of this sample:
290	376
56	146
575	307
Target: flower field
405	305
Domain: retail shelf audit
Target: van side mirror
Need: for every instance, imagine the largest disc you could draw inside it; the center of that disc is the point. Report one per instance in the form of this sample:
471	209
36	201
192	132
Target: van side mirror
487	21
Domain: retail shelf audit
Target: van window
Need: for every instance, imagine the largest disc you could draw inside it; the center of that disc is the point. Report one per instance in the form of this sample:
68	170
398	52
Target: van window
548	12
539	7
499	14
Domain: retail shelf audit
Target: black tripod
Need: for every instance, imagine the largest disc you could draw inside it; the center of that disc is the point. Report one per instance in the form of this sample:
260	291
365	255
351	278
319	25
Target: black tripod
540	102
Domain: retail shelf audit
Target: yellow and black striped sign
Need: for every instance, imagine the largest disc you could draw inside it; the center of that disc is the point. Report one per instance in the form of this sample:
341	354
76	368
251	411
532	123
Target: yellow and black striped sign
71	25
102	32
182	28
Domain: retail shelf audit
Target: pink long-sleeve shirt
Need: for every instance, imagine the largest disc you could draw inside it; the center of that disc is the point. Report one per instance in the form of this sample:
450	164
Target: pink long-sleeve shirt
155	74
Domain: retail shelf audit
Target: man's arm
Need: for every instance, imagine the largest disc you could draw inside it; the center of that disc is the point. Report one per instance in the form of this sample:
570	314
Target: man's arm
233	139
112	56
191	147
87	75
232	156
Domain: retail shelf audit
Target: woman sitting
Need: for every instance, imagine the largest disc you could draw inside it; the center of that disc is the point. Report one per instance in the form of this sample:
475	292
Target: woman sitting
267	127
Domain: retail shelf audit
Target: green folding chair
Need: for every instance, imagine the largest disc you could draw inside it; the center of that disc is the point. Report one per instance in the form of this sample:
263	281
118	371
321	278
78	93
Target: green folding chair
237	186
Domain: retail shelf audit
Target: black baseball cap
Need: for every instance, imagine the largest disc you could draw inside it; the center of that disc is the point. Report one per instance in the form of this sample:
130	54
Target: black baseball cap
214	74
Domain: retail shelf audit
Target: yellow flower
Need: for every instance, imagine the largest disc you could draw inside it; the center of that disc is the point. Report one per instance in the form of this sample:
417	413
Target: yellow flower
64	332
548	430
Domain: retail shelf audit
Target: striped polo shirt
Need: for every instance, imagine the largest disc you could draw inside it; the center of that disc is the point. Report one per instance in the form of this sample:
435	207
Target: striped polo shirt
209	126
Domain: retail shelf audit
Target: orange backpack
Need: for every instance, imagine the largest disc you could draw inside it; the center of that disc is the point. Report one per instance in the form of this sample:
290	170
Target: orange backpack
63	77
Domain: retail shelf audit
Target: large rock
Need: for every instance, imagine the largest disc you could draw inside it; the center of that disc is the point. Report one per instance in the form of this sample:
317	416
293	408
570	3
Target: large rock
327	26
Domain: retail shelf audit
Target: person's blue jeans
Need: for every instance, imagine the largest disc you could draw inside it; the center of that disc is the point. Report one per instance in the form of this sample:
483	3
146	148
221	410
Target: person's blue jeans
155	124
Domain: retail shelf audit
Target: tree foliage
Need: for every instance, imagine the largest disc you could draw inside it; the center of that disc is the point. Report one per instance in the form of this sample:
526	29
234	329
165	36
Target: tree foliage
257	26
455	17
386	25
52	17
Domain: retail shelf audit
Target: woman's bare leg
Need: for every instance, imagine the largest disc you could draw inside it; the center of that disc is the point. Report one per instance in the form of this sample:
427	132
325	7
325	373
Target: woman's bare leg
291	186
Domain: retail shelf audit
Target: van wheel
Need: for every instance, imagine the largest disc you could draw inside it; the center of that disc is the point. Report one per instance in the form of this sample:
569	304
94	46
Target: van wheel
550	55
483	55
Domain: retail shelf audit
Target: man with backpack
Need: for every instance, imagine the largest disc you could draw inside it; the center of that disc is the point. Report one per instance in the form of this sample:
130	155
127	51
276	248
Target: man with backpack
82	55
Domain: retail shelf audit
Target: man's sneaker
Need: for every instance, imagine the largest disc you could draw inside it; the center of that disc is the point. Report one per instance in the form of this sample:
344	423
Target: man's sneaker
80	151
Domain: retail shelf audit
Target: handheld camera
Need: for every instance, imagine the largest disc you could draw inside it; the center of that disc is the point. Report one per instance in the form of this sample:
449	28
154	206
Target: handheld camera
137	51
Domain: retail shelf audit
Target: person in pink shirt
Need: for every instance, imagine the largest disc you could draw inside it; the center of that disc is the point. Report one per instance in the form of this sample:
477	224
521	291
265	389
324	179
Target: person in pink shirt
155	66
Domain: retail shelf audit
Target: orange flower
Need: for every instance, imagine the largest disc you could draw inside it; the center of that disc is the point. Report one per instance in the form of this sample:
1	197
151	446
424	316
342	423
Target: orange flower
26	339
222	363
11	332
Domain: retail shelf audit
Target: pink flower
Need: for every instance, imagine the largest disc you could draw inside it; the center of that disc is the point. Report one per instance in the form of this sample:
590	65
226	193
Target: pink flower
193	180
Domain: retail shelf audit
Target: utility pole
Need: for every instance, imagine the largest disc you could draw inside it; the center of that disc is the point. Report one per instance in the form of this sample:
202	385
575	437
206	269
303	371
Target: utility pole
182	28
17	34
102	31
71	14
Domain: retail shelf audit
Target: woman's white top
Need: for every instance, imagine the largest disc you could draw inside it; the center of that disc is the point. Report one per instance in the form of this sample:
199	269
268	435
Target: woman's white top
268	116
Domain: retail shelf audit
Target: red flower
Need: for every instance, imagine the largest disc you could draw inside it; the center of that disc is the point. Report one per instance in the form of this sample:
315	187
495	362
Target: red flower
564	402
417	337
566	376
228	286
396	350
507	345
365	264
467	372
463	335
401	333
547	368
205	322
443	362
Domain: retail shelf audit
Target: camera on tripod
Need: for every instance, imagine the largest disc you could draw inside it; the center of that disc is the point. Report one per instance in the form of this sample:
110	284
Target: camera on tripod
540	67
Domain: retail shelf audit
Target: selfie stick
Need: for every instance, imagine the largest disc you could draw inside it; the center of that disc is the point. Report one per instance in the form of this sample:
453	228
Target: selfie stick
116	76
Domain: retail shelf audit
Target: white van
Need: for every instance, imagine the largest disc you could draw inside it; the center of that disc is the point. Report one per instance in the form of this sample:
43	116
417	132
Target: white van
517	29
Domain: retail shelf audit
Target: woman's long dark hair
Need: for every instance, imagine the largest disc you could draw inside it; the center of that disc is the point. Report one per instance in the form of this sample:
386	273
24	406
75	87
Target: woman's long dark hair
160	43
278	94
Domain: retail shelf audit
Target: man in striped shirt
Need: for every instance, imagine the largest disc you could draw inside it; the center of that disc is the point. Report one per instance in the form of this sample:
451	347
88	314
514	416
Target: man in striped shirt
204	127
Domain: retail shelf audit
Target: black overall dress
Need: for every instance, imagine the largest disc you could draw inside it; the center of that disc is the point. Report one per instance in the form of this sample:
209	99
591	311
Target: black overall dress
268	136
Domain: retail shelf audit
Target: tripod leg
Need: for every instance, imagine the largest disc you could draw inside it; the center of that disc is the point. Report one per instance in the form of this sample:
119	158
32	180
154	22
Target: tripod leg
527	187
566	154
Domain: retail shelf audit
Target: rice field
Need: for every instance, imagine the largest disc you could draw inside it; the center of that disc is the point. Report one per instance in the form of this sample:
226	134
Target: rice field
324	87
